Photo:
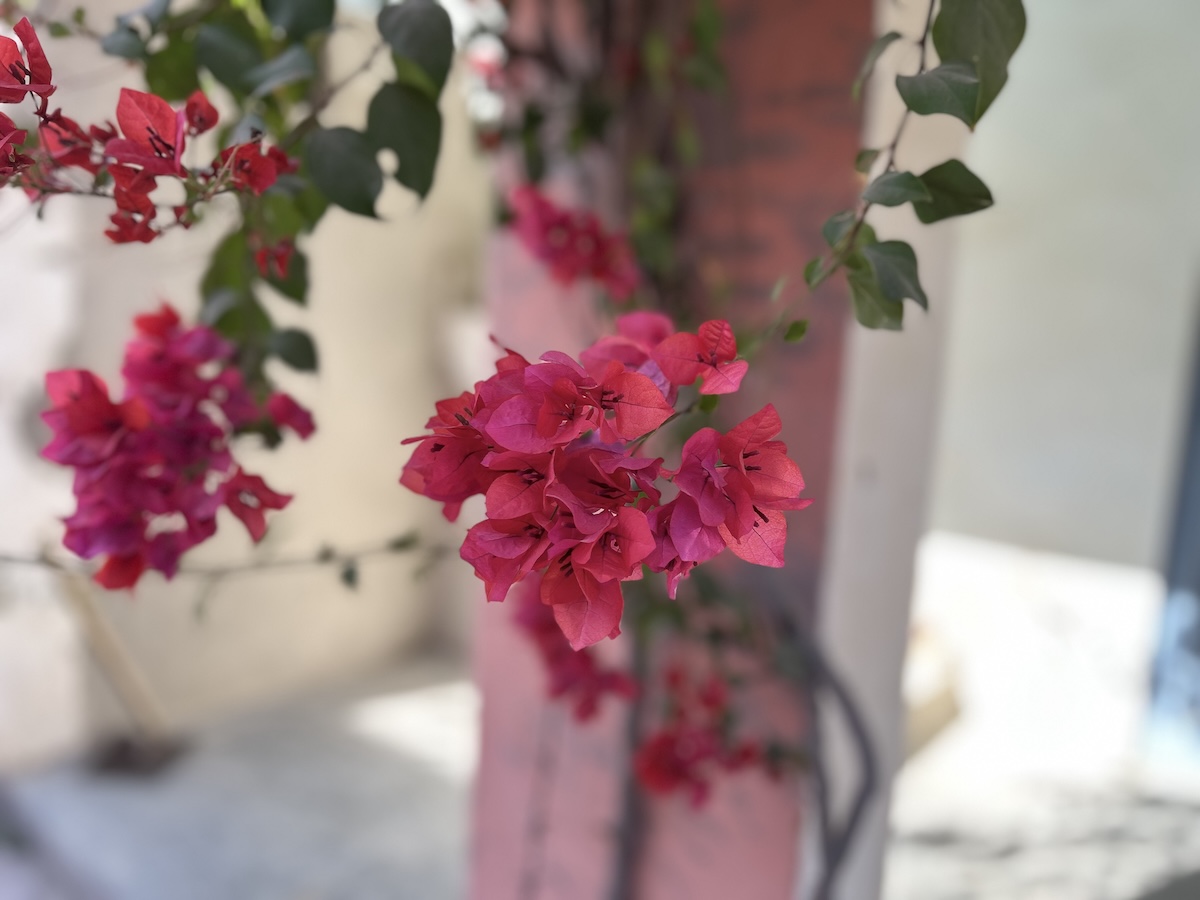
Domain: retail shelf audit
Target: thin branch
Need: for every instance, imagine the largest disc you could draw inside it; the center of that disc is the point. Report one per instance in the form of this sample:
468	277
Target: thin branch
837	255
541	795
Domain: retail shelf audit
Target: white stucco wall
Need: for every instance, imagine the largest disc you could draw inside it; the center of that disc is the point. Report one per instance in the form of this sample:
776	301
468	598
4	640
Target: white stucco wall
1075	298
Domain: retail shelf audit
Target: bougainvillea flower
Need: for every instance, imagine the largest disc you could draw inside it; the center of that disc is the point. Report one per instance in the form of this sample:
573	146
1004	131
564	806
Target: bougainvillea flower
29	75
251	169
586	609
152	472
67	144
554	448
572	243
287	413
248	498
87	425
576	675
199	113
709	355
155	134
273	261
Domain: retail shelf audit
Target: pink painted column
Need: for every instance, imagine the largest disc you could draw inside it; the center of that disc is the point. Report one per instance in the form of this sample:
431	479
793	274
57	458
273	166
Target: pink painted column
778	147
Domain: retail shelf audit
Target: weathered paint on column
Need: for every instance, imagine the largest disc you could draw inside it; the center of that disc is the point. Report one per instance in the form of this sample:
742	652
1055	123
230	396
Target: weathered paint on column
778	147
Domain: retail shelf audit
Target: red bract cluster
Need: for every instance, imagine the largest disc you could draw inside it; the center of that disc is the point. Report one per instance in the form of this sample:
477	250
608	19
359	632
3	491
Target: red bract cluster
125	164
694	743
553	447
152	470
573	675
573	244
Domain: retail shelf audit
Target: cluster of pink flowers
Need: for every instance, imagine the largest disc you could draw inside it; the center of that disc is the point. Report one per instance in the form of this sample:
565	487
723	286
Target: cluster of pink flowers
152	470
694	743
554	448
149	145
576	676
573	244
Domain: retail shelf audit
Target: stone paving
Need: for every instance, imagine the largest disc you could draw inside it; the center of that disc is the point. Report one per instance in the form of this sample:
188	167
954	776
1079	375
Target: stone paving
348	797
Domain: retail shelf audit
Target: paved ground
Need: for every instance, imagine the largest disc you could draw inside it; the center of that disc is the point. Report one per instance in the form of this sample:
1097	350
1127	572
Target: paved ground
349	797
1042	788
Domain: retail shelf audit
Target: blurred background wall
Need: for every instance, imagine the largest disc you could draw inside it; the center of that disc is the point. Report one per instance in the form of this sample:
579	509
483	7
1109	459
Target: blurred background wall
386	297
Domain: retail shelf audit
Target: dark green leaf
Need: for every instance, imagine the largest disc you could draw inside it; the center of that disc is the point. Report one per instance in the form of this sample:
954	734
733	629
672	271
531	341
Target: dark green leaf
153	12
59	30
295	285
896	189
171	72
864	160
895	266
123	42
708	403
349	574
404	542
290	206
838	226
954	191
341	163
985	33
235	314
405	120
796	331
295	348
815	272
875	51
231	267
871	308
229	49
951	88
422	42
300	18
292	65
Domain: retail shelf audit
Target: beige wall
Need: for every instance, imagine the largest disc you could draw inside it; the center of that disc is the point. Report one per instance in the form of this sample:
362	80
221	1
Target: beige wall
378	292
1075	298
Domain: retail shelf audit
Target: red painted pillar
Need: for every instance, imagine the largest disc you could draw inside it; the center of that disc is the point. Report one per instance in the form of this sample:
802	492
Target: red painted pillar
778	147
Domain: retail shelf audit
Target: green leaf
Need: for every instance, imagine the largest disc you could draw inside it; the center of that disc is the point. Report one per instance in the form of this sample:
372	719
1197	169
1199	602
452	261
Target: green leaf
231	267
295	348
404	542
708	403
123	42
864	160
229	50
815	272
871	308
153	12
422	42
295	286
341	163
235	314
171	72
838	226
951	88
300	18
875	51
796	331
896	189
349	574
985	33
59	30
895	266
954	190
292	65
405	120
292	205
